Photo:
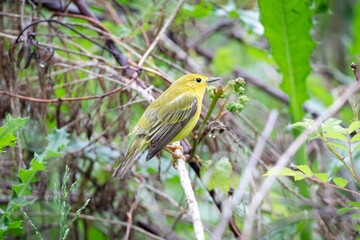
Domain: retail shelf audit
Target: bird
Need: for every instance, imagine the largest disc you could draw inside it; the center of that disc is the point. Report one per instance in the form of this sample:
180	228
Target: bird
169	118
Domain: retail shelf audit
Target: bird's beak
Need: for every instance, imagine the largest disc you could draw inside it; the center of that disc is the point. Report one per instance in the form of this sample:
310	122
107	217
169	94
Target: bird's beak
212	79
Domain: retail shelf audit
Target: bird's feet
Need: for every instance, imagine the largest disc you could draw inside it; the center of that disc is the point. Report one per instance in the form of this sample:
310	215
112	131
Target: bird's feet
176	154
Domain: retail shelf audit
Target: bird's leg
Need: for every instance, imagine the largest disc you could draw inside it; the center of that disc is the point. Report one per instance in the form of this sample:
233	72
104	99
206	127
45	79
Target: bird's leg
175	154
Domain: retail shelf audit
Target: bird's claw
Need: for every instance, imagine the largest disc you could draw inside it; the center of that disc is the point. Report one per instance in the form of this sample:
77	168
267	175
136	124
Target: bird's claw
176	155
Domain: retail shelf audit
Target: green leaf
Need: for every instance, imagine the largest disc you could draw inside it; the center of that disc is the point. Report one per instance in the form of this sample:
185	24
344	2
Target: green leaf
333	125
355	49
322	176
287	26
36	165
224	60
344	210
355	204
9	130
353	126
305	169
58	139
27	175
15	225
336	135
304	125
355	138
217	175
356	147
341	182
200	10
284	171
299	177
22	189
337	145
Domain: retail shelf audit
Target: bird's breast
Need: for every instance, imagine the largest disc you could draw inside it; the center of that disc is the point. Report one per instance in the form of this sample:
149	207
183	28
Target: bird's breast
189	126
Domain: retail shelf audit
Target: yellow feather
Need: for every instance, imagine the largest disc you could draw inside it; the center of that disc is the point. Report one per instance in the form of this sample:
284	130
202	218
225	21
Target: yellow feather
171	117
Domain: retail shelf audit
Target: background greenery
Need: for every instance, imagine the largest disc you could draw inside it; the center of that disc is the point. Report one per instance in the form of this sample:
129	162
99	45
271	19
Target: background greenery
71	90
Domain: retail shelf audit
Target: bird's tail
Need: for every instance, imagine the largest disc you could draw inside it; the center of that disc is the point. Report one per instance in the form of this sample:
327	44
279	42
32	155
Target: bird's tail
135	149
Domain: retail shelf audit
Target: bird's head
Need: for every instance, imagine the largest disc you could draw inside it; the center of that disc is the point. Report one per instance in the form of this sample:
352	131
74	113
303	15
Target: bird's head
197	82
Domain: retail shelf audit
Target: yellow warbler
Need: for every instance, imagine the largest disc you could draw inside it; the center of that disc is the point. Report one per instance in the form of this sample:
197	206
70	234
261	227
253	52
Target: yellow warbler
169	118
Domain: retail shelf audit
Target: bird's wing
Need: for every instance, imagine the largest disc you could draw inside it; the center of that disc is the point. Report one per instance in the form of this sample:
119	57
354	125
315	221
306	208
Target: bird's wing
169	123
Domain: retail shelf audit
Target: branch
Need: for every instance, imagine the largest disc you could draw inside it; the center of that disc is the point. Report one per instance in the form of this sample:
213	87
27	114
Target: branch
277	93
65	99
210	30
189	193
88	15
133	207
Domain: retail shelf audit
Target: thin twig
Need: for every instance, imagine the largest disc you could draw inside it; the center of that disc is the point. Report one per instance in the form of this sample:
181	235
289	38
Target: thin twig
162	31
230	203
65	99
289	153
189	193
133	207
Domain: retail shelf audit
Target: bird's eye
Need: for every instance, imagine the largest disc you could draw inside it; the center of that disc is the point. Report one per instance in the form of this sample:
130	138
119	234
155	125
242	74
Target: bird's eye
198	80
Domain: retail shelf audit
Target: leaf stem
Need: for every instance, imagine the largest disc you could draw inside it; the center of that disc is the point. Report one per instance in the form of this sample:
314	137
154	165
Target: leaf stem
217	96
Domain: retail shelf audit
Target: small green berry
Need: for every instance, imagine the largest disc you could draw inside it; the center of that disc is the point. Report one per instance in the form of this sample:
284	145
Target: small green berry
238	85
234	107
243	99
211	90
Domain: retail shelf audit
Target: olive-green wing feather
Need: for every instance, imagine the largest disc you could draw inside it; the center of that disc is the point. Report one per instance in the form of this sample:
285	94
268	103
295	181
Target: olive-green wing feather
169	123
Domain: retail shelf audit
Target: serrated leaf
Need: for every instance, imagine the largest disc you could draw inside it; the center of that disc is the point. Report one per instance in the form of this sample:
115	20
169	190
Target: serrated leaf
353	126
22	189
355	204
37	165
27	175
287	26
336	135
341	182
15	225
343	210
58	139
305	169
338	145
217	175
9	130
355	138
322	176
